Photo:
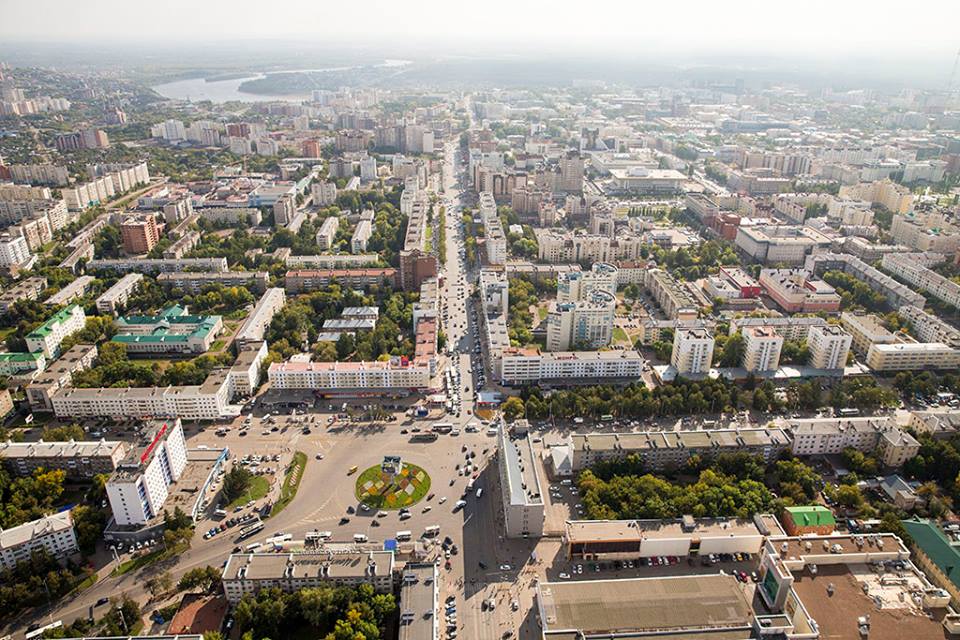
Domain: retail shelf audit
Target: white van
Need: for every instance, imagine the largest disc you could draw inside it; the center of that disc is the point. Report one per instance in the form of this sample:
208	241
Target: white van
431	531
404	535
325	535
359	537
479	492
254	546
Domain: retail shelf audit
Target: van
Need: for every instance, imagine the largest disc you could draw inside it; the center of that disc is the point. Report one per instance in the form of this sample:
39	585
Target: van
479	492
325	535
432	530
253	547
404	535
359	537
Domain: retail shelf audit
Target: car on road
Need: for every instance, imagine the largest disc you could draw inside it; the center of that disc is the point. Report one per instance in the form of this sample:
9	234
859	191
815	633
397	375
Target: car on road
344	520
564	576
505	567
101	602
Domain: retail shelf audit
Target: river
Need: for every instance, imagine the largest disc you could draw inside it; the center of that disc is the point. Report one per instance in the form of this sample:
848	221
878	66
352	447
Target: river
229	90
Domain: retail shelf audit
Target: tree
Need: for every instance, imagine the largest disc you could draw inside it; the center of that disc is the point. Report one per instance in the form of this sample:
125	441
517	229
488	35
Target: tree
159	584
345	345
849	496
203	577
512	408
236	482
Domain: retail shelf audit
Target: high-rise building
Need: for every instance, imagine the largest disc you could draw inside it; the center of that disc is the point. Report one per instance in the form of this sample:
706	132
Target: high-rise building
14	251
762	349
571	172
139	235
324	193
284	210
141	483
580	285
585	324
829	346
692	351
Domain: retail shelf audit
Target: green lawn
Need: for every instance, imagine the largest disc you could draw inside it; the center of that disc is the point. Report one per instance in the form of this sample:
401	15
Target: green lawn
291	482
373	489
259	486
543	312
86	583
619	335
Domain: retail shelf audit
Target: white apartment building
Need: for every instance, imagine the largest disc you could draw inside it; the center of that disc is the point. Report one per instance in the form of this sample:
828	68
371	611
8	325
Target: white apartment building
361	234
793	329
332	261
829	346
692	351
585	324
524	366
762	349
575	286
909	268
328	232
495	241
340	376
207	401
14	252
245	371
159	265
865	331
248	573
47	337
255	326
930	328
194	283
324	193
556	245
53	533
912	356
110	302
896	293
494	291
520	492
284	210
830	436
141	483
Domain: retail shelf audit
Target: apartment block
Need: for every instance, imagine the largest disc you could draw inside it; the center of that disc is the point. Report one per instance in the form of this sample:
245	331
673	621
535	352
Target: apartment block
526	366
890	195
306	280
182	245
930	328
19	363
396	373
676	302
80	460
575	286
14	252
324	193
191	282
47	337
770	244
327	233
556	245
659	450
830	436
909	267
54	534
912	356
333	261
896	293
762	349
28	289
141	483
829	346
361	235
933	231
58	375
115	298
248	573
76	289
158	265
692	351
255	326
865	330
585	324
795	291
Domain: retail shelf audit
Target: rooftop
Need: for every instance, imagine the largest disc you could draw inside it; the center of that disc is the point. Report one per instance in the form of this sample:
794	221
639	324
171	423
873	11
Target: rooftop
16	536
266	566
690	603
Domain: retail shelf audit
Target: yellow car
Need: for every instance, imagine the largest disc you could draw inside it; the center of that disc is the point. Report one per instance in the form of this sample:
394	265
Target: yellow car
352	471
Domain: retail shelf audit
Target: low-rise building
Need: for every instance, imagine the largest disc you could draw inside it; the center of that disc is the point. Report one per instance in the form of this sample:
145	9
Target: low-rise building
248	573
28	289
830	436
672	297
140	485
771	244
808	520
255	326
173	331
191	282
795	291
159	265
80	460
930	328
18	363
76	289
115	298
306	280
525	366
54	534
866	330
333	261
907	356
58	375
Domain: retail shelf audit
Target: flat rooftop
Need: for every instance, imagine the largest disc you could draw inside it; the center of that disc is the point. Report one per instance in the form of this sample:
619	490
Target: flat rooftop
837	614
418	597
693	604
269	566
617	530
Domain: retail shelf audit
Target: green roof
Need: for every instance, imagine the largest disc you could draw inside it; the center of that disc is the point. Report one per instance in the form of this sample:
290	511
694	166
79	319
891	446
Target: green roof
161	327
20	356
46	327
930	539
811	516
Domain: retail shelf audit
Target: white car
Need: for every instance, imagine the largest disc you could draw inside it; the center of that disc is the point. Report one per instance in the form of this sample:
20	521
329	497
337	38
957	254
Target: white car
442	499
505	567
564	576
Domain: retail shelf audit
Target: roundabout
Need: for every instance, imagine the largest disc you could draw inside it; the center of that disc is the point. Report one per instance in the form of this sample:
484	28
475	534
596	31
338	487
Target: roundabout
384	486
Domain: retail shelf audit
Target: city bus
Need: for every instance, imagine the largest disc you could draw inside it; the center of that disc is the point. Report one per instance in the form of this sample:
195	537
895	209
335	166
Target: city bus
423	437
443	427
250	530
848	412
250	548
606	418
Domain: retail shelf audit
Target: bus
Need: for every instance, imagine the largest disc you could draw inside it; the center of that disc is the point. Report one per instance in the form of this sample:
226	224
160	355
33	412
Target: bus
36	633
606	418
279	540
403	536
250	530
424	437
443	427
250	548
431	531
848	412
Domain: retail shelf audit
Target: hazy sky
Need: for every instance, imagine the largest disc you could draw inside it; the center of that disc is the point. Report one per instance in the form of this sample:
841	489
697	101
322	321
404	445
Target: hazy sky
813	28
